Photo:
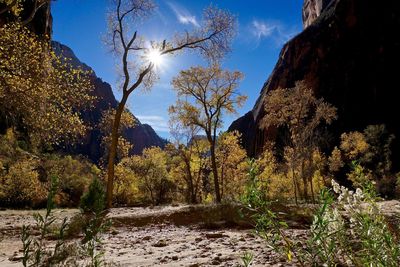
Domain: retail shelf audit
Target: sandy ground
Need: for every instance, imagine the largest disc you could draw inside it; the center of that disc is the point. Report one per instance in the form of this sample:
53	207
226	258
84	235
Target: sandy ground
160	237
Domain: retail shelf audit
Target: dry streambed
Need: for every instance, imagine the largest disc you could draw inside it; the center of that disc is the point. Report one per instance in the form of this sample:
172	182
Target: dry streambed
169	236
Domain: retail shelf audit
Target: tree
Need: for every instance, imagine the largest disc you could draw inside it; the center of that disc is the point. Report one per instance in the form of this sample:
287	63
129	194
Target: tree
105	125
302	114
232	167
214	93
151	170
184	148
22	11
39	91
212	39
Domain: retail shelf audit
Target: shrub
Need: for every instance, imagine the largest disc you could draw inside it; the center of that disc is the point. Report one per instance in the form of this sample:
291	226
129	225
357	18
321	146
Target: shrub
94	199
20	186
348	231
75	175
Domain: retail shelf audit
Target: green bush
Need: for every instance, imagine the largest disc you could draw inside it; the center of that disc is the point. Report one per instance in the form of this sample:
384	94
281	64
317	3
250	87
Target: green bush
75	175
94	199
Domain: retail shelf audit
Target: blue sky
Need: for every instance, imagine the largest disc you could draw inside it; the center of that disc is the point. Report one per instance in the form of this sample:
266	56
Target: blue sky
263	27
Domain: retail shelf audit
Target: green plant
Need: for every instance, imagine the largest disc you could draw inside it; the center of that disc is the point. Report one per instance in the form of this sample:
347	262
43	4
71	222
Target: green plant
247	259
266	222
34	249
92	239
350	230
94	199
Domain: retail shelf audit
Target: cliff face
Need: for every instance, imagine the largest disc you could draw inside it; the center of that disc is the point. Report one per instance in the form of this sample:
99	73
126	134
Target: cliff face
312	9
141	136
349	56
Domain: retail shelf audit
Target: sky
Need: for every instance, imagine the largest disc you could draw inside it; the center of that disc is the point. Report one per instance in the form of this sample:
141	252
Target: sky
263	28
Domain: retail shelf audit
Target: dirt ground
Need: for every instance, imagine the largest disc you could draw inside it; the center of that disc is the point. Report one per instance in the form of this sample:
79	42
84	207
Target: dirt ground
164	236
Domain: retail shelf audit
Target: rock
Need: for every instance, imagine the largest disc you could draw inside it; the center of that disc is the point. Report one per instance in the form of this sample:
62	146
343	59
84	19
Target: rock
174	258
216	262
16	258
114	232
312	9
146	238
160	243
215	235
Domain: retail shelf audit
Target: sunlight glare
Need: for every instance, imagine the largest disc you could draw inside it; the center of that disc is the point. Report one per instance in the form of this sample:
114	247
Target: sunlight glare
155	57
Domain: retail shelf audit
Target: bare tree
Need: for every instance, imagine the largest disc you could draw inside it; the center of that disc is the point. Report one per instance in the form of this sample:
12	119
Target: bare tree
212	39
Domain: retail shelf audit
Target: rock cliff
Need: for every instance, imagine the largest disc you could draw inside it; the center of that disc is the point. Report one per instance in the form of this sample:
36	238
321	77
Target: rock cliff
349	55
312	9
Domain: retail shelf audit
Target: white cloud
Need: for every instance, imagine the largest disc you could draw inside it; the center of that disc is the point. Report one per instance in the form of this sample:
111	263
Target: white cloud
158	123
183	15
262	29
273	30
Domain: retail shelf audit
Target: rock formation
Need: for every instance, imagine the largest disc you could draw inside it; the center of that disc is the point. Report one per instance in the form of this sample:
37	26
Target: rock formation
350	57
312	9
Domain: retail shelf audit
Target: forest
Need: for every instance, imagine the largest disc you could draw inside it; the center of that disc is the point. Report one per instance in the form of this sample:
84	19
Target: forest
309	177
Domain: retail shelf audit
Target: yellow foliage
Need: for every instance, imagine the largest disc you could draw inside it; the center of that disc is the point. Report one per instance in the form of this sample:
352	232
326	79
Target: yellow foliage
353	144
335	160
232	166
40	90
21	185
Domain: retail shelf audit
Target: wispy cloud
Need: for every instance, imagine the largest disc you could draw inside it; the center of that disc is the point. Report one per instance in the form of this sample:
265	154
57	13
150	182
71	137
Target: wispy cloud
273	30
158	123
262	29
183	15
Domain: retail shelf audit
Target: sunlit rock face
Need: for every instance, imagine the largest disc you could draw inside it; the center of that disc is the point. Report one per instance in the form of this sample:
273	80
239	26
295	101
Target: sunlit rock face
350	57
312	9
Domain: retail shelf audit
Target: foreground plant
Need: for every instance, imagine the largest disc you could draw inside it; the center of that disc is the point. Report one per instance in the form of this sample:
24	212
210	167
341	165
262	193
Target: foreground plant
36	250
349	231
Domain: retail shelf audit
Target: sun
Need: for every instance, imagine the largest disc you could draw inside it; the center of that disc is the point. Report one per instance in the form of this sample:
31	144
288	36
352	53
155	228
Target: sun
155	57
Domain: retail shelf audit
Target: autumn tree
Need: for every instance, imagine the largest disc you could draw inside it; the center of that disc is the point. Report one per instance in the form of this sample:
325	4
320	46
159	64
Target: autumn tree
184	149
205	95
151	171
105	126
366	157
39	90
232	166
22	11
302	114
212	39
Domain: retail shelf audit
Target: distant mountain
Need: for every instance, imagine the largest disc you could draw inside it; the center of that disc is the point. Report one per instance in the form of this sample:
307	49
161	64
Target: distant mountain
141	136
348	52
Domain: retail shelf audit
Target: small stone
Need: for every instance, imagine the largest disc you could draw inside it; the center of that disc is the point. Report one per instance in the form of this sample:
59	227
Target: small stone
174	258
160	243
215	235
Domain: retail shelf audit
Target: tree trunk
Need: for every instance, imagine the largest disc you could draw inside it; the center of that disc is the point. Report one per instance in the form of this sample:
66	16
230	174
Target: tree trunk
112	152
192	194
215	172
295	186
